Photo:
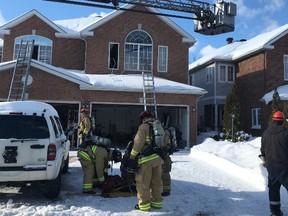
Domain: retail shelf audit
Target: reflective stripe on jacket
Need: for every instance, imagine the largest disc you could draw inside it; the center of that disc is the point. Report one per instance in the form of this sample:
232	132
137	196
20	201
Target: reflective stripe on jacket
142	141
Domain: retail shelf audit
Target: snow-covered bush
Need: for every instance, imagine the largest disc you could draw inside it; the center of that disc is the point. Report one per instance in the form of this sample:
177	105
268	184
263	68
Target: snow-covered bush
239	136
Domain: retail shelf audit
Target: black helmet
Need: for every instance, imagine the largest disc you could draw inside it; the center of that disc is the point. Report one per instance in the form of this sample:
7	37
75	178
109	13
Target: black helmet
146	114
116	155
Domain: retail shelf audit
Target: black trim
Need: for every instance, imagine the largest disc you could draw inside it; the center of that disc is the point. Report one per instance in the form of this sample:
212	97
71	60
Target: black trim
22	169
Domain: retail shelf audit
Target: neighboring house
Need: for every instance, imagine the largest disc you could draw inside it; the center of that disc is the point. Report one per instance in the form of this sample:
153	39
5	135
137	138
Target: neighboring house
96	63
1	47
258	65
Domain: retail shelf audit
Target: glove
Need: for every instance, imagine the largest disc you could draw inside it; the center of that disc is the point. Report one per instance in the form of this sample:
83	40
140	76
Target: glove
262	157
131	165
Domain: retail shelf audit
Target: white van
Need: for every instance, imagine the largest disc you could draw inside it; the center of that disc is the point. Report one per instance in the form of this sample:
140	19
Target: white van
33	145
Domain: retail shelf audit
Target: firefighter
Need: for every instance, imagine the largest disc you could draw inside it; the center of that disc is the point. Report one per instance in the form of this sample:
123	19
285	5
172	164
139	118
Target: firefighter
128	170
167	166
274	153
95	163
85	126
148	176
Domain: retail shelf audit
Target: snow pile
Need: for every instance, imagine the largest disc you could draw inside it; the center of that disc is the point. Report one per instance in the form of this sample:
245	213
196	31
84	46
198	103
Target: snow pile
212	179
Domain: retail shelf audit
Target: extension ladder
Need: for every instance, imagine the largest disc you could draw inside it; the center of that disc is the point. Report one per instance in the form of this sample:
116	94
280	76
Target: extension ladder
21	71
149	95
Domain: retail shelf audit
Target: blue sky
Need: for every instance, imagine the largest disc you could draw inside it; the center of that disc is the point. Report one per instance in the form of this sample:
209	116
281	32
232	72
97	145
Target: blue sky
253	17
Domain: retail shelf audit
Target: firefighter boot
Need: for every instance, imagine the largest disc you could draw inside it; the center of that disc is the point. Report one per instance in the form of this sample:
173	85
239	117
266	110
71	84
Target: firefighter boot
276	210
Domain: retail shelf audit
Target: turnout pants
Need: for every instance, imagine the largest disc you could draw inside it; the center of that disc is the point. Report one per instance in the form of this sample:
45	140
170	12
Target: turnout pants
88	174
277	176
166	178
149	184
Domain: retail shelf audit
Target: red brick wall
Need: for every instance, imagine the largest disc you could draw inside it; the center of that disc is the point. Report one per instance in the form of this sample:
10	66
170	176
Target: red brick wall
66	53
250	84
116	30
48	87
258	75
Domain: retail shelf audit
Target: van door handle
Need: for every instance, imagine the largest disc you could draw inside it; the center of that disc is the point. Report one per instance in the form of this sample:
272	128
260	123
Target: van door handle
37	146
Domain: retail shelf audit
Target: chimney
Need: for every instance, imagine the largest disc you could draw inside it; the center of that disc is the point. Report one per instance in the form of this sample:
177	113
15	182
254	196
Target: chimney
229	40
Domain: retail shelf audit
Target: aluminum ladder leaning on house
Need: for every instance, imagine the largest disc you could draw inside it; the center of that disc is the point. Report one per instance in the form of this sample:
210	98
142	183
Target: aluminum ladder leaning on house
21	71
149	95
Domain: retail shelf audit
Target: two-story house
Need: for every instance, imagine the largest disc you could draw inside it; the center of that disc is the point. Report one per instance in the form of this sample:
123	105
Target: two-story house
97	62
258	66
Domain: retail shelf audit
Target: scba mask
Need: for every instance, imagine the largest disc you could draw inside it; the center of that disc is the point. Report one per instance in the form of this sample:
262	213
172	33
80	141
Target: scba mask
116	155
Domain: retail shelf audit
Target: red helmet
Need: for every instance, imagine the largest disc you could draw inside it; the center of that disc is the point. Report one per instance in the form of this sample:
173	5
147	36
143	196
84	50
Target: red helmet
278	116
83	110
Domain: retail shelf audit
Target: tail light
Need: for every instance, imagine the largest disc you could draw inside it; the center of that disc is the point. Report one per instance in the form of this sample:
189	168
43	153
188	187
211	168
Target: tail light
51	153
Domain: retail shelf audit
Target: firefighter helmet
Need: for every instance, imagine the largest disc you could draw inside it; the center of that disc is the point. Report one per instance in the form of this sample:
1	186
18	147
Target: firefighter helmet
146	114
83	110
278	116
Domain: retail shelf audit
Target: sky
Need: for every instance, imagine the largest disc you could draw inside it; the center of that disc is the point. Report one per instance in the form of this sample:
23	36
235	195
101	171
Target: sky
214	178
253	18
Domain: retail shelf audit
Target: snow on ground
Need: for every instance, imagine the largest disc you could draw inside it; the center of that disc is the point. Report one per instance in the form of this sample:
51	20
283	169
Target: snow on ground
213	178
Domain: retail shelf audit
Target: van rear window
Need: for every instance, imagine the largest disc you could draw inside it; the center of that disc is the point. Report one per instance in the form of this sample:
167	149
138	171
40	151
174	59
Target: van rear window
23	127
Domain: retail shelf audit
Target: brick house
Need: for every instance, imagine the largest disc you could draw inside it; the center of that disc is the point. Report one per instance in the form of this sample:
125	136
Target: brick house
258	66
96	63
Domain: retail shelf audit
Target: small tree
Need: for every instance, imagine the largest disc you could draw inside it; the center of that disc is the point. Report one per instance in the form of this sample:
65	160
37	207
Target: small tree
232	107
277	104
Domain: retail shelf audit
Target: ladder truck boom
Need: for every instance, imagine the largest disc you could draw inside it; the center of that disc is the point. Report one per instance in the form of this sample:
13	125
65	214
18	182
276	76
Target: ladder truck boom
208	19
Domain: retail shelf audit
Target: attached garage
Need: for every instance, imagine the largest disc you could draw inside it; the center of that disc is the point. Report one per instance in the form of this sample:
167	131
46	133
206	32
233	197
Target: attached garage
120	121
114	101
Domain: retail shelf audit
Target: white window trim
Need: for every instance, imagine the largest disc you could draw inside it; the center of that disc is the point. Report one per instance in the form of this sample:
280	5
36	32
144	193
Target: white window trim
285	63
158	63
27	37
192	78
117	56
209	74
258	125
138	58
226	73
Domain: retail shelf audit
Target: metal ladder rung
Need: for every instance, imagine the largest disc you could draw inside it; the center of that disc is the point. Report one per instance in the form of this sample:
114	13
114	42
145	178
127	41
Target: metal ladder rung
149	95
22	69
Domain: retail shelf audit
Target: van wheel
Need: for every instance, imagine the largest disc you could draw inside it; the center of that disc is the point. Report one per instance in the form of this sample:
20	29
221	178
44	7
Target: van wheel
53	187
66	165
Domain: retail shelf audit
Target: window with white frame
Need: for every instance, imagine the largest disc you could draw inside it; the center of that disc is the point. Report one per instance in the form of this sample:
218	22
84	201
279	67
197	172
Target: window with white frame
113	55
42	50
192	79
285	67
256	118
226	73
162	58
138	51
209	75
1	53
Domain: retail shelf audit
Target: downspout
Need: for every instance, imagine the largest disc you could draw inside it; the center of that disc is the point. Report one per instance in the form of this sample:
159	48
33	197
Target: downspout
82	38
215	101
196	114
264	67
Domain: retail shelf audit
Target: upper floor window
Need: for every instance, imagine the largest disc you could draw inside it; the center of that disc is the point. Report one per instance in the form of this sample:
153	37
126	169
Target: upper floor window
285	67
226	73
113	55
256	118
209	75
138	51
42	50
192	79
162	58
1	53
